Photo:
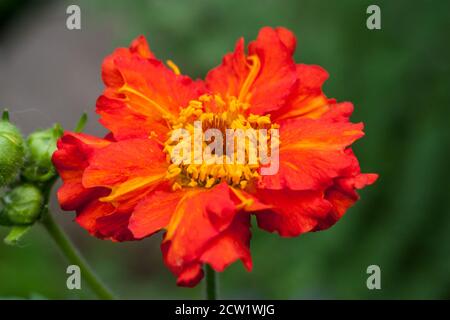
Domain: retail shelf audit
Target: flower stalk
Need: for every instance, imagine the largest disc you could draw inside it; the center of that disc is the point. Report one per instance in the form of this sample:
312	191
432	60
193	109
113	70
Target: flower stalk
210	283
74	256
69	250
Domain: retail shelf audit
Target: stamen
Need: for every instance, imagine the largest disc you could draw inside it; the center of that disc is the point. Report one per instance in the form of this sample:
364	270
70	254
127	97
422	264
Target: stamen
176	186
174	67
209	173
254	66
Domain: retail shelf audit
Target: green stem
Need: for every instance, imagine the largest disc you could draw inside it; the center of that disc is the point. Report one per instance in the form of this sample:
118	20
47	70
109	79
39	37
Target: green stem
69	250
74	257
211	283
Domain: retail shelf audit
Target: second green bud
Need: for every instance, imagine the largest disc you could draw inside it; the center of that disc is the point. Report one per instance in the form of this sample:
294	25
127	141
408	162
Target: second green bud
21	206
40	146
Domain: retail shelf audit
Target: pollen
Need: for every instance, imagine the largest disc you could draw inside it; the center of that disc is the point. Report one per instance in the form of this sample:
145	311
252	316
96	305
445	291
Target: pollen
230	154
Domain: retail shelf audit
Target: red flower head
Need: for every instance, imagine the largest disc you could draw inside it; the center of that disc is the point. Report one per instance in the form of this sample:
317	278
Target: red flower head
127	186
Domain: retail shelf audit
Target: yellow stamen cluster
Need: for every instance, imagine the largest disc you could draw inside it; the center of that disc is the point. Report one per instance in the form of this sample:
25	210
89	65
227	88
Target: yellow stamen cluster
214	113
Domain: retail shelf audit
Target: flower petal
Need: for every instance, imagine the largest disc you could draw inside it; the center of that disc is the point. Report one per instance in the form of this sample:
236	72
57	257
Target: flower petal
233	244
104	221
339	112
307	99
70	159
292	212
270	85
114	227
205	228
140	47
154	212
342	194
287	37
190	275
312	153
87	215
130	168
110	73
277	76
141	93
227	79
128	122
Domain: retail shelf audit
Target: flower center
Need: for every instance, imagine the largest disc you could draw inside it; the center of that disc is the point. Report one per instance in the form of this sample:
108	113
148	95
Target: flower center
214	140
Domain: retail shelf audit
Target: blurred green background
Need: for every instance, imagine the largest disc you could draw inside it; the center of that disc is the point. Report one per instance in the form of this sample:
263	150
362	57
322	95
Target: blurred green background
397	78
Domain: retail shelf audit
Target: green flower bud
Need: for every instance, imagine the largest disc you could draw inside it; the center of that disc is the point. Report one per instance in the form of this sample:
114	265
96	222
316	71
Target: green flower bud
11	151
40	146
21	205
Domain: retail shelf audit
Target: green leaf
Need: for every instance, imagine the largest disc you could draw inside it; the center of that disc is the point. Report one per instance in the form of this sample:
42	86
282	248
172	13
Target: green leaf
58	130
81	123
16	234
5	115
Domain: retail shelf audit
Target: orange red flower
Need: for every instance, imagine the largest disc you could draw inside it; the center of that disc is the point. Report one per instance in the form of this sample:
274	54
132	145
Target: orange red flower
124	186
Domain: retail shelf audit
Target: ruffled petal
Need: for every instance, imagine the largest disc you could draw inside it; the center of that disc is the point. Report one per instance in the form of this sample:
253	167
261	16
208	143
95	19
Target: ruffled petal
233	244
70	160
292	212
88	214
128	122
307	99
205	228
140	47
142	93
154	212
105	221
110	73
342	194
101	219
312	153
264	82
114	227
190	275
199	216
277	76
228	78
129	168
125	171
224	249
339	112
287	37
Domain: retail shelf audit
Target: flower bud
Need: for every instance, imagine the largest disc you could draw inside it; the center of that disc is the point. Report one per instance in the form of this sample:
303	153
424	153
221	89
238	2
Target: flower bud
21	205
40	146
11	151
